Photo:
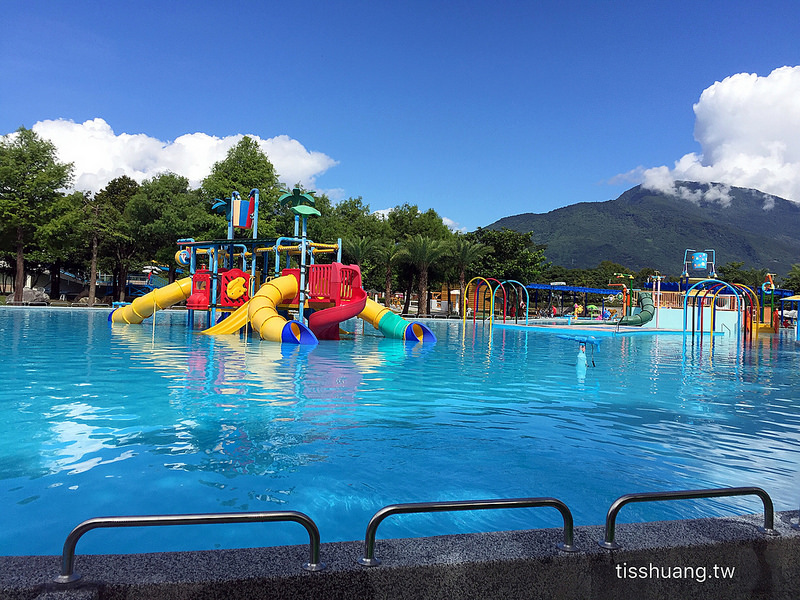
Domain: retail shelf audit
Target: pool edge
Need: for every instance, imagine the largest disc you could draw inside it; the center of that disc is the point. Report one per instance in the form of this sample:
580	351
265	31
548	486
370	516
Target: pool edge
512	564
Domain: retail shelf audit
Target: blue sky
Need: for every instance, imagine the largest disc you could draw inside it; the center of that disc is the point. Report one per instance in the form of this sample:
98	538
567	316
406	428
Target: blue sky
476	109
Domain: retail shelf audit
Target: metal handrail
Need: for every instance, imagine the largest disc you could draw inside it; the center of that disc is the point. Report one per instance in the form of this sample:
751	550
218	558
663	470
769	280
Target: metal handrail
769	514
369	559
68	574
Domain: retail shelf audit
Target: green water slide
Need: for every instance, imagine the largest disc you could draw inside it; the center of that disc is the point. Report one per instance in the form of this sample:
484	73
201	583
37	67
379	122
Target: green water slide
647	307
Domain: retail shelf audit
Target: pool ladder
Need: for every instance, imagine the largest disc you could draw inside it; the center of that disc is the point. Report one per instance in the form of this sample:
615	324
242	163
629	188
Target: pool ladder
369	560
611	517
68	574
608	542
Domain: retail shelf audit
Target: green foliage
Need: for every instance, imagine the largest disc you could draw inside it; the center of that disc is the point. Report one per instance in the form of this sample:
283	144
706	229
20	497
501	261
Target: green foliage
512	256
792	280
388	254
358	249
351	218
30	179
246	167
167	210
407	220
61	238
422	252
734	272
123	233
466	258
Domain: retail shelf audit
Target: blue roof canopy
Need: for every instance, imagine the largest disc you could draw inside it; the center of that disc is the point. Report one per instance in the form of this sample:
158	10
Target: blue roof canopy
571	288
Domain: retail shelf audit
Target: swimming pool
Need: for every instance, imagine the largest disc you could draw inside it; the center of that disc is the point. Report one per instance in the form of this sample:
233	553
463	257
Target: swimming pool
101	420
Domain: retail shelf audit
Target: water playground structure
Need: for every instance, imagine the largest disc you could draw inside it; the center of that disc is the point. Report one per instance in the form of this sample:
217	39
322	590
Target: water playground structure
698	304
701	303
298	301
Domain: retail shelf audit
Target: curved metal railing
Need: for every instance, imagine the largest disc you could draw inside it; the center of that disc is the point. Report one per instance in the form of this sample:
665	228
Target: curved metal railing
68	574
611	517
369	560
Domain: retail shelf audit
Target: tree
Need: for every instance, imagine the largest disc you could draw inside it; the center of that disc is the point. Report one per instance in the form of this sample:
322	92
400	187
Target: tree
320	229
359	249
388	254
353	218
165	210
464	254
606	272
422	252
732	272
792	279
63	238
123	235
246	167
30	178
513	255
407	220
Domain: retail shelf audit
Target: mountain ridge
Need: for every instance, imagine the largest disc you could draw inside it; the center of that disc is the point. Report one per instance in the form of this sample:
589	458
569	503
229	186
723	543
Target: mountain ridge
648	228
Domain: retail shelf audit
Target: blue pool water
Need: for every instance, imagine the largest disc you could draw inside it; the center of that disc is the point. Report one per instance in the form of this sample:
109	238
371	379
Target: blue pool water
100	420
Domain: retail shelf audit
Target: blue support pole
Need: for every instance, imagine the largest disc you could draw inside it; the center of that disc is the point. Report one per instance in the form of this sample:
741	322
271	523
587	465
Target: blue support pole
303	244
254	199
213	263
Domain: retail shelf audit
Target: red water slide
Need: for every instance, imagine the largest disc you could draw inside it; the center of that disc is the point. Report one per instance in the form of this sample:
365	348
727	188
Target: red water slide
325	323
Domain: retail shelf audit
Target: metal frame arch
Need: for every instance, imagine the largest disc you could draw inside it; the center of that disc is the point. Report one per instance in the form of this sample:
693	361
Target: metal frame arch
527	296
756	308
715	281
491	304
466	297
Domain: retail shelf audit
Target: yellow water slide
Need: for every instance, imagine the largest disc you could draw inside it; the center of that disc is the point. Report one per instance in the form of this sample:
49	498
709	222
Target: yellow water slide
160	298
263	314
233	323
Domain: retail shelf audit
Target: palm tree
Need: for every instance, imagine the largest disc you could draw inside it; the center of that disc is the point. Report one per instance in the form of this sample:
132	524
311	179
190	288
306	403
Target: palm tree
422	252
359	249
465	254
792	279
387	254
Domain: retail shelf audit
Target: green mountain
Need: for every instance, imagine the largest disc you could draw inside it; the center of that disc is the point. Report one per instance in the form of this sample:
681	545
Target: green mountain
647	228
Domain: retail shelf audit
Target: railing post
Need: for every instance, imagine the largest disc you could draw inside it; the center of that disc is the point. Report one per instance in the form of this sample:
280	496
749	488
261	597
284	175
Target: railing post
611	517
369	560
68	574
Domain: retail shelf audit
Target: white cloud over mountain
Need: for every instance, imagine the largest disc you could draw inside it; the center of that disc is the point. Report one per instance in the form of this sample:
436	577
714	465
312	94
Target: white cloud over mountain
100	154
748	128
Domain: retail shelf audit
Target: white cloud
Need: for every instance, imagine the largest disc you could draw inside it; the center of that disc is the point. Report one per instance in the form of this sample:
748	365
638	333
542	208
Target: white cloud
100	155
748	128
453	225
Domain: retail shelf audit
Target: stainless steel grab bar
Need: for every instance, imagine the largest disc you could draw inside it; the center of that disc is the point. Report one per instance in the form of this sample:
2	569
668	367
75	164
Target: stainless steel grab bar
68	574
369	560
769	514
